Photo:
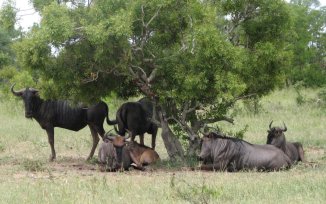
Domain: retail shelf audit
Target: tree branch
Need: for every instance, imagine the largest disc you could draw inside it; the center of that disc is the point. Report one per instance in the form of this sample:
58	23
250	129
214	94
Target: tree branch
153	17
143	74
152	76
214	120
94	75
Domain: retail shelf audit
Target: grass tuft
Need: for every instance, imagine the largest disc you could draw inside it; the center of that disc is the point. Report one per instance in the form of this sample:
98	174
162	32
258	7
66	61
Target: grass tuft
33	165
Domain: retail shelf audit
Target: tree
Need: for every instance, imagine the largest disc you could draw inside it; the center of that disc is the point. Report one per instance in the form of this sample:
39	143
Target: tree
308	43
7	32
8	35
177	53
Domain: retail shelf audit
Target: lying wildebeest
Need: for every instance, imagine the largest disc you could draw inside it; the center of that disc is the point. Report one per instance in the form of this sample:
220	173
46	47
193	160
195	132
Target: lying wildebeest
107	156
136	117
231	154
55	113
276	137
131	152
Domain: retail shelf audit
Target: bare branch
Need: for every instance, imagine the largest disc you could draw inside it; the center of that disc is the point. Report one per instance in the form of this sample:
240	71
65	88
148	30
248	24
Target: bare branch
132	72
187	110
214	120
152	75
174	119
143	74
154	16
245	96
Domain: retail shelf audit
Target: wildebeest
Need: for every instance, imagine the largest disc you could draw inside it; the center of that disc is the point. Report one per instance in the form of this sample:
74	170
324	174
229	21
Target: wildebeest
107	157
231	154
136	117
56	113
131	152
276	137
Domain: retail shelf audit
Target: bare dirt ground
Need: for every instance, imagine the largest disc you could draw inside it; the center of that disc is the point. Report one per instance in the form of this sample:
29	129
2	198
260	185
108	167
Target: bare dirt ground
69	165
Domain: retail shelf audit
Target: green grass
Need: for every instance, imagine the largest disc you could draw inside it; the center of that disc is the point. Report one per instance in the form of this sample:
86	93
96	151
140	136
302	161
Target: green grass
27	177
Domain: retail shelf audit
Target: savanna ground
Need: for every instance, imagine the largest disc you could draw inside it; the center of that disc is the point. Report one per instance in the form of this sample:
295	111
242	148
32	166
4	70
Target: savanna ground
27	177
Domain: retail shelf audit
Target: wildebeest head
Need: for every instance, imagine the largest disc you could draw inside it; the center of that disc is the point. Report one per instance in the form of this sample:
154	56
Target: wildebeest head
29	96
206	146
119	143
276	135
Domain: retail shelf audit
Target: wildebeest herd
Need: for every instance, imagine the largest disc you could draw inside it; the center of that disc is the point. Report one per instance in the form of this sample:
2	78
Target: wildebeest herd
218	152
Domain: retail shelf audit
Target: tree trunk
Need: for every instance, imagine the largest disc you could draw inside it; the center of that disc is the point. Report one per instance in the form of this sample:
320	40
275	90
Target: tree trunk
171	142
194	140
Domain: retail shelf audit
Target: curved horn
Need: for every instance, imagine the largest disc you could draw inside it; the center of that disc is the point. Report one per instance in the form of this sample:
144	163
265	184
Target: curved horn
270	125
16	93
285	128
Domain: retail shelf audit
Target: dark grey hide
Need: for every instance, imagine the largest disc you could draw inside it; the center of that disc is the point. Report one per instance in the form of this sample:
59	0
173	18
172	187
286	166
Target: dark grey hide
136	118
107	155
55	113
120	153
276	137
230	154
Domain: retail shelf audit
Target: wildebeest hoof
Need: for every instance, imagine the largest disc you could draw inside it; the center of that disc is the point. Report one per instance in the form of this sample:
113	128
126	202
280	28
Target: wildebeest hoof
139	167
51	158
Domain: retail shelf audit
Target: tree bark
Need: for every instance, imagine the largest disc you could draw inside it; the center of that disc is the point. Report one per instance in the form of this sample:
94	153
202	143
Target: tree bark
194	141
171	142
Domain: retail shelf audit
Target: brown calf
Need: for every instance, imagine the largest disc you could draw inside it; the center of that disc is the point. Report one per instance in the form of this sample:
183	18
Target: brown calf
132	152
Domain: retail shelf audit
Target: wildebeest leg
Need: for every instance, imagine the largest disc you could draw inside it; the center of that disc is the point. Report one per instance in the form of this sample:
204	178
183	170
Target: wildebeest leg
154	133
50	132
136	161
141	139
95	141
100	130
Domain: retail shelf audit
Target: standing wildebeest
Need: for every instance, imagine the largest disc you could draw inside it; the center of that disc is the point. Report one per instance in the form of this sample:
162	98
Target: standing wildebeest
136	117
52	113
276	137
131	152
232	154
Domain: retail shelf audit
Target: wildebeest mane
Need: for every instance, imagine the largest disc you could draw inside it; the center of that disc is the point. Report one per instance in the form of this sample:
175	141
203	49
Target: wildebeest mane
224	137
225	148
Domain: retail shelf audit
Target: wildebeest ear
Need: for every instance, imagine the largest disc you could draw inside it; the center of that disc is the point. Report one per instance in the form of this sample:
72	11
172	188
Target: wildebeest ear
36	93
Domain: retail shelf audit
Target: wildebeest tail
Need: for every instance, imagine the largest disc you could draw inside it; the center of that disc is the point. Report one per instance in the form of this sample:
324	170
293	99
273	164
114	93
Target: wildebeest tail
120	120
108	121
